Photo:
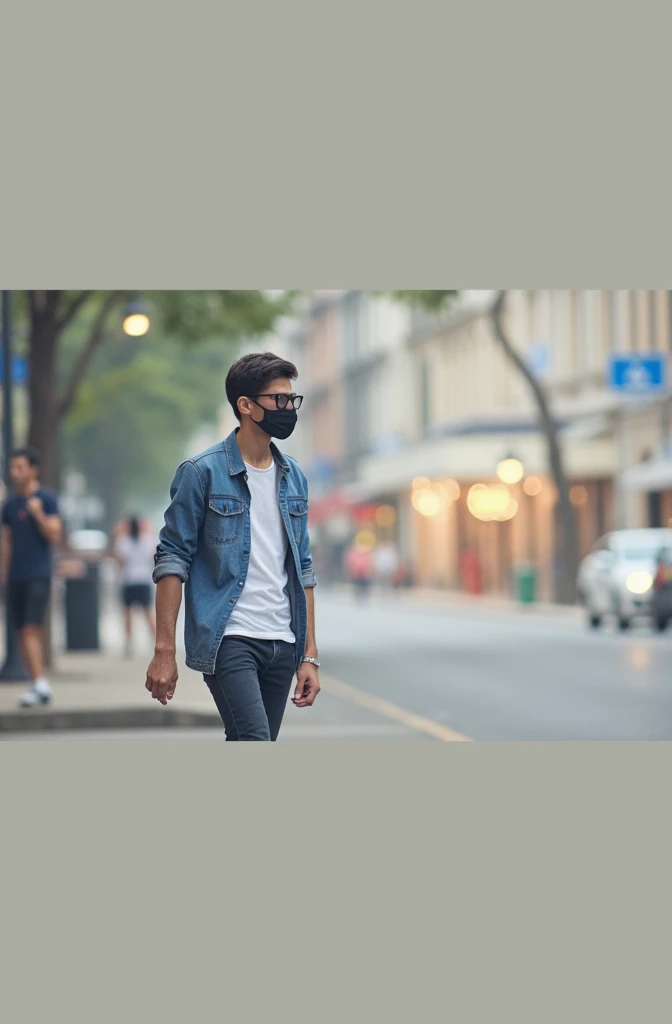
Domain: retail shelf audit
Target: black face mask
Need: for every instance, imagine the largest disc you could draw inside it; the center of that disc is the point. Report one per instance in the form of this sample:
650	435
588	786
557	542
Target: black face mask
278	422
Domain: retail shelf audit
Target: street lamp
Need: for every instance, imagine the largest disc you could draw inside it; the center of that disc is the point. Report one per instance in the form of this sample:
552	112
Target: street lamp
510	470
136	320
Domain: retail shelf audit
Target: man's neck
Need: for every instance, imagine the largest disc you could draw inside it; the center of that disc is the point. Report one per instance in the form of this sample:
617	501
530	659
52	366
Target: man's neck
255	447
29	489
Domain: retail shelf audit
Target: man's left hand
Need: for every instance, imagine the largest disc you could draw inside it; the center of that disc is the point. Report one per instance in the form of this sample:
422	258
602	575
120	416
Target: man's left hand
307	685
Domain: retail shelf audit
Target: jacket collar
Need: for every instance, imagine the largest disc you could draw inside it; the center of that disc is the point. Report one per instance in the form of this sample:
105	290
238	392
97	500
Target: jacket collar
235	459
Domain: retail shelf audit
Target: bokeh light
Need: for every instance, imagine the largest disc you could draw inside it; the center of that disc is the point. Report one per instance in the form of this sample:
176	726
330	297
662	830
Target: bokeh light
426	501
533	486
578	495
510	471
136	324
491	504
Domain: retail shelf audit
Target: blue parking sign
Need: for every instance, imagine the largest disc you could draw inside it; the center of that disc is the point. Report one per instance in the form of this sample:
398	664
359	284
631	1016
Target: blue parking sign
638	374
19	369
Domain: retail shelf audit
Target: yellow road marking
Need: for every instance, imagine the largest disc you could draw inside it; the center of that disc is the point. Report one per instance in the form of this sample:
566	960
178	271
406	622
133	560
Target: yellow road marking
389	710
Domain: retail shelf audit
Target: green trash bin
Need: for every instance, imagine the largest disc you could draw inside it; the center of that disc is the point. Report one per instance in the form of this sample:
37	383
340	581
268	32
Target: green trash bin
527	584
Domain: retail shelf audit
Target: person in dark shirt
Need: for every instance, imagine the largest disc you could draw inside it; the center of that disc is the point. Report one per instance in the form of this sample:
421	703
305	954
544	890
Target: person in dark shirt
31	525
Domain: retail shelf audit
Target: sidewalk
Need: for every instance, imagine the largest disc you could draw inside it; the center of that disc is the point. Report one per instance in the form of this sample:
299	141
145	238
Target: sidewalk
104	690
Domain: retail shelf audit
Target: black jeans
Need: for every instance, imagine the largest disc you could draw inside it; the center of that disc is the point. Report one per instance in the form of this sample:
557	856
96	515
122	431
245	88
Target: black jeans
251	686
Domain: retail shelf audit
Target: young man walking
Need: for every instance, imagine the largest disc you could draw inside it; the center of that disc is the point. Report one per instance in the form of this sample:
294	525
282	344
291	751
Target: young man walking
30	527
236	535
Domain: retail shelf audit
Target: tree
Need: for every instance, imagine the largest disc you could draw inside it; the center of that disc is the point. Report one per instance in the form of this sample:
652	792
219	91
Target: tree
568	547
190	316
135	412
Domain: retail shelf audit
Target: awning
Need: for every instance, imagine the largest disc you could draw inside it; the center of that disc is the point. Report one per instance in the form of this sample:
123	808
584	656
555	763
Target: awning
652	475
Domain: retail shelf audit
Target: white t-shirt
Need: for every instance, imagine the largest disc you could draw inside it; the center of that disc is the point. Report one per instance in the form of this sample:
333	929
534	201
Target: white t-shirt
137	558
263	609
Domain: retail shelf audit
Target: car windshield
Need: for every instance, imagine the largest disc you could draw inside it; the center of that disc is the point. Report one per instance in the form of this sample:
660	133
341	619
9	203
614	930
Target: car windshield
639	554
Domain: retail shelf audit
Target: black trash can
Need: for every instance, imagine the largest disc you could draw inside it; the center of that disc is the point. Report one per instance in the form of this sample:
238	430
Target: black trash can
82	610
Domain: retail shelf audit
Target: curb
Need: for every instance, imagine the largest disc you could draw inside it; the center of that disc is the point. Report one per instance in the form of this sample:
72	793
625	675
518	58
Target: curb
105	718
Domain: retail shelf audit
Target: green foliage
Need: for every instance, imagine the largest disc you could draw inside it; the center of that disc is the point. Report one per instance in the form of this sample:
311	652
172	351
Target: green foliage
138	409
431	301
195	315
143	399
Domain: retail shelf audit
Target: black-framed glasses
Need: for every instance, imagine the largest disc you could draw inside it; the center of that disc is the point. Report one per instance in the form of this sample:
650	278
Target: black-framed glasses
282	400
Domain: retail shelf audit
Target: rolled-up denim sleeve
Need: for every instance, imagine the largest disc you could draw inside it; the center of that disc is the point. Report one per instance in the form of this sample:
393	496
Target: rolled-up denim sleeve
183	518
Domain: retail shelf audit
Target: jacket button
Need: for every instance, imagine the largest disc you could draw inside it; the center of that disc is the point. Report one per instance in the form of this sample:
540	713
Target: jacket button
240	583
233	600
246	552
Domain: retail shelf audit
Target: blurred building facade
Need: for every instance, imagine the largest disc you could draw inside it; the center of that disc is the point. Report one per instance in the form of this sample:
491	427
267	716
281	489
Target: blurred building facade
408	415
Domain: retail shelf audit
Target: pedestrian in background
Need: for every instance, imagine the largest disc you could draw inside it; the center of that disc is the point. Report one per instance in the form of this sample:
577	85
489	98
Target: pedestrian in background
359	567
31	526
134	551
386	562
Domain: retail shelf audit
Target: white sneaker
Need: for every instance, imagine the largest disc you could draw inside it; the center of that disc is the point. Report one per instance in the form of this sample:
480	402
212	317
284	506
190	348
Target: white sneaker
39	694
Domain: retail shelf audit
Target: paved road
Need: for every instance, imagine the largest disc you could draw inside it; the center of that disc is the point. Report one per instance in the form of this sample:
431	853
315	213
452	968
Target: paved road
502	675
403	668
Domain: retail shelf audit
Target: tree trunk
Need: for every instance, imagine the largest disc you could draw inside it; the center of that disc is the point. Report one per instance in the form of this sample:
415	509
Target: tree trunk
43	430
567	548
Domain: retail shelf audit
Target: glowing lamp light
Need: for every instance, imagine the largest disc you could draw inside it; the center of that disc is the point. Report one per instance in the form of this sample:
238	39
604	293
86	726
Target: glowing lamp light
452	489
136	325
510	471
136	322
639	582
426	501
533	486
491	504
578	495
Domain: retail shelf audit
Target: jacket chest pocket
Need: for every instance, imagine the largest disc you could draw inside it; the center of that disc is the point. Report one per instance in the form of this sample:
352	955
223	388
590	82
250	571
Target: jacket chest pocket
224	519
298	517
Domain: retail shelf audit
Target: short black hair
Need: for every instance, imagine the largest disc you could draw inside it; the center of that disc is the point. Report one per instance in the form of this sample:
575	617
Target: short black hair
31	454
250	375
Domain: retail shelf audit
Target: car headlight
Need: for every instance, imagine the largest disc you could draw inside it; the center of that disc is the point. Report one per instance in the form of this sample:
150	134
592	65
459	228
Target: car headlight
639	582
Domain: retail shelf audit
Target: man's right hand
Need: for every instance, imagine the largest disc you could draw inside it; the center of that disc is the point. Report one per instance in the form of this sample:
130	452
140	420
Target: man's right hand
162	676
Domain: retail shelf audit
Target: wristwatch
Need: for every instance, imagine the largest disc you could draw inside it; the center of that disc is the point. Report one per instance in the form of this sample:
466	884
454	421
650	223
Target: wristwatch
313	661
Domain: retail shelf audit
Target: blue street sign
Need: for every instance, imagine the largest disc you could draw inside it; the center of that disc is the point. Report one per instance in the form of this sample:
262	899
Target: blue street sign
636	374
19	369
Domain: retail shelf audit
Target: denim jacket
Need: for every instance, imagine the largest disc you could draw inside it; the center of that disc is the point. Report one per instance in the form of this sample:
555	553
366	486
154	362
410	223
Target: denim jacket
205	541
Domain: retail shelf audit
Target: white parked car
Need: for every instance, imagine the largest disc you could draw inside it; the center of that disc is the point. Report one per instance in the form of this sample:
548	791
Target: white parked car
616	579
